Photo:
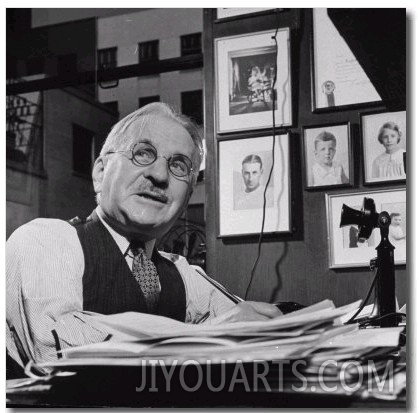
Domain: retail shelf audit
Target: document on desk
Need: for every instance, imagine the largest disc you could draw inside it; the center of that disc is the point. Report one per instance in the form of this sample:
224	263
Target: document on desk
148	336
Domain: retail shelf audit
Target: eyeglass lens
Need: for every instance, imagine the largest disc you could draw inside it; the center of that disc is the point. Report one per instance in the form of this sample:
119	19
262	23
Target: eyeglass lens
145	154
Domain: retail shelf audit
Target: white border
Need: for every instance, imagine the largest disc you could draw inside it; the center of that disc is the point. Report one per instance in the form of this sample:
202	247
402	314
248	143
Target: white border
243	222
283	115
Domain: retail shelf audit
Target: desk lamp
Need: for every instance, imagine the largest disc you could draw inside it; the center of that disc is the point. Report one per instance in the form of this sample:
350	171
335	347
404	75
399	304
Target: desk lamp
384	312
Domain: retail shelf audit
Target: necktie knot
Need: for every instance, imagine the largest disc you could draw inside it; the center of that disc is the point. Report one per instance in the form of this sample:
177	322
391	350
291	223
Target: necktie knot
137	248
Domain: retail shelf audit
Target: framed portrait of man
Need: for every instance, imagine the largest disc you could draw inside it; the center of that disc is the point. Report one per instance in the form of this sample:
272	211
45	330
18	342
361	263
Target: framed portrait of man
254	177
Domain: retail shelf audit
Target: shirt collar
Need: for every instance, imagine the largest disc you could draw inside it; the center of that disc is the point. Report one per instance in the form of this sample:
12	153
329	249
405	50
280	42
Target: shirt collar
122	242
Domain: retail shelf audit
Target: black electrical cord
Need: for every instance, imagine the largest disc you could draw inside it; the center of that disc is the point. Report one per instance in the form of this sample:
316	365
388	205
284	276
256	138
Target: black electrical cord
273	162
351	320
374	319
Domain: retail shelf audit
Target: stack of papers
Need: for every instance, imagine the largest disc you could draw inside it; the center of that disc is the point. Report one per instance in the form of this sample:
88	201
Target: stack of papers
314	337
294	335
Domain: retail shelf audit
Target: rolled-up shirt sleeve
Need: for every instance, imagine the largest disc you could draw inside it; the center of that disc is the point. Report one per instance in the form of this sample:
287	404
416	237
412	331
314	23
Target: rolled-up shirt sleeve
204	302
44	270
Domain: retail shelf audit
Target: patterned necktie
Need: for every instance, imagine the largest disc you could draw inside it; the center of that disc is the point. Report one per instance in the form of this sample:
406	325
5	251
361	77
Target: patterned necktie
145	273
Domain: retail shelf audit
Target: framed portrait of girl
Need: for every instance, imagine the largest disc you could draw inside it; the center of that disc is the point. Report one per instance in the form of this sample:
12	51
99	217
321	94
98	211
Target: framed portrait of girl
384	143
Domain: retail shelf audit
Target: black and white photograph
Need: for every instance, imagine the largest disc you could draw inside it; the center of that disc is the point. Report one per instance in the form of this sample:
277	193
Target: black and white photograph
250	182
207	208
327	154
244	169
251	80
346	247
253	76
384	146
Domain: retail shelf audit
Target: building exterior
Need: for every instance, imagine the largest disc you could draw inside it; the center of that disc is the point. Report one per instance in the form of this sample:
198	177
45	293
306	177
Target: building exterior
72	122
144	36
58	183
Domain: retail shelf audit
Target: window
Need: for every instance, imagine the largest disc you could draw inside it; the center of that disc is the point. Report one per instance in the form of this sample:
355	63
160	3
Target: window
107	58
190	44
83	150
192	105
148	51
66	64
112	105
24	131
147	99
35	66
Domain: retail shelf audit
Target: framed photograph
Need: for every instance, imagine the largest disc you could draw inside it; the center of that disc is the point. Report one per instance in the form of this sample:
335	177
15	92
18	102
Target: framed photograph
328	156
245	91
345	250
338	79
224	12
384	146
244	167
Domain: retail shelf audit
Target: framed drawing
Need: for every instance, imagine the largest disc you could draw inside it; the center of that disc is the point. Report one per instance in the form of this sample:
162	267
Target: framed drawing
224	12
345	250
244	167
338	80
245	72
384	146
328	156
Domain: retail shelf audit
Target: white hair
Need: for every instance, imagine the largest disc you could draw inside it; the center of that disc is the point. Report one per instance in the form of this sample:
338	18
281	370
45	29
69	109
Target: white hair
118	140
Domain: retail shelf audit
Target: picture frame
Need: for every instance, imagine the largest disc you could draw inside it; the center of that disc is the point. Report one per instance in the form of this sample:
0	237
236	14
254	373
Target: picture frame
328	156
244	74
226	12
384	160
244	166
338	80
344	249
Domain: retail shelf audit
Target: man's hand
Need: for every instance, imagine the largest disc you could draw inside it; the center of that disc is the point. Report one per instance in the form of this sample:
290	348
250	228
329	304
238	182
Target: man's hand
248	311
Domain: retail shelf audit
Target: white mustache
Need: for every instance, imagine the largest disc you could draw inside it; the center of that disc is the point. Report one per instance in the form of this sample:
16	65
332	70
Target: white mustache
147	188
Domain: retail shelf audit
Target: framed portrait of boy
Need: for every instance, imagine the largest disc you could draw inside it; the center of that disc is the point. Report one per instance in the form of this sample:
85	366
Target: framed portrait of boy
245	189
345	248
328	156
384	146
246	89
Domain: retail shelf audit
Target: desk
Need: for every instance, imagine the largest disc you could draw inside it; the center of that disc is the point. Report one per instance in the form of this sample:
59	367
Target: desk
118	387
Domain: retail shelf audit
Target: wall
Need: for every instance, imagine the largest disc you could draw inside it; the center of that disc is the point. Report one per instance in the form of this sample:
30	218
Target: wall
292	267
126	31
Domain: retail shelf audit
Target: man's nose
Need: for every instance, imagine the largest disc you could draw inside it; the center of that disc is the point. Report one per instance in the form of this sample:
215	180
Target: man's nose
158	170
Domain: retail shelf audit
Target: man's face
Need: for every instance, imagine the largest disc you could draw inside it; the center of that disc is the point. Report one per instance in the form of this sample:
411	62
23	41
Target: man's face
252	173
325	152
145	201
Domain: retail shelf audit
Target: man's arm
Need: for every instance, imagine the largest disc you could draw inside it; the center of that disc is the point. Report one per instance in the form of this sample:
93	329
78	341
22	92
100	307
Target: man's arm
206	303
44	269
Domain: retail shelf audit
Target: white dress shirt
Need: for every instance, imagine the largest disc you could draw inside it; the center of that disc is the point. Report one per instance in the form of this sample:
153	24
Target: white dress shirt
44	289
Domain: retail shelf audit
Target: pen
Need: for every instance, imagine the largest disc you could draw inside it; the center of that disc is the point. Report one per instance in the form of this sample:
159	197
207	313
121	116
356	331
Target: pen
219	287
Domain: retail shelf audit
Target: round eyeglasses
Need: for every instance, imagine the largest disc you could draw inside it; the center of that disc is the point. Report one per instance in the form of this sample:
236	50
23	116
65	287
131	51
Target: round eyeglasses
144	154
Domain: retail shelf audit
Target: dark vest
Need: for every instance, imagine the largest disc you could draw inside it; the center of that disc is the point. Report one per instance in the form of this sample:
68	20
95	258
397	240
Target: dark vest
108	284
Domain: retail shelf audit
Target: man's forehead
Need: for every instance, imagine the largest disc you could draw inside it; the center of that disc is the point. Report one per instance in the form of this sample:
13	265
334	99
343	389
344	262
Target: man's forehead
252	166
161	131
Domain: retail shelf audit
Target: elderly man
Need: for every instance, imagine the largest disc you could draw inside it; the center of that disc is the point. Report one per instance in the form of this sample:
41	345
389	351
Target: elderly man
61	275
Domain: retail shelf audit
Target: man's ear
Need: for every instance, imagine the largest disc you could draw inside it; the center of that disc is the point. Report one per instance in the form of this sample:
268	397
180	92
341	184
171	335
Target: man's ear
98	173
